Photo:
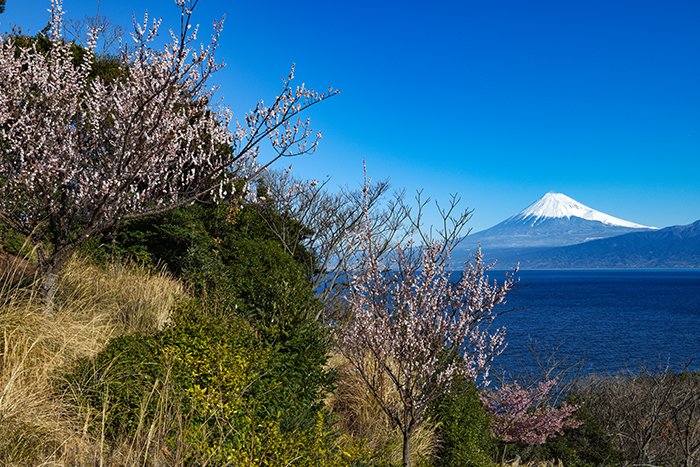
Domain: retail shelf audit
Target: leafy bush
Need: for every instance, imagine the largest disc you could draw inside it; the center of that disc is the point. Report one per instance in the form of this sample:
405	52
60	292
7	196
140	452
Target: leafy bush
116	382
230	255
11	241
241	401
246	361
463	427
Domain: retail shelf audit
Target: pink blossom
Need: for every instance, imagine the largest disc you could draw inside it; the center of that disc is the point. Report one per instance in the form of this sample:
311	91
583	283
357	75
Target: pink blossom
79	153
524	416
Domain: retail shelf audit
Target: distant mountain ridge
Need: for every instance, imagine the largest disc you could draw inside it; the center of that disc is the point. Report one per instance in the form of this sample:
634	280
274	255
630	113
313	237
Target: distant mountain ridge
671	247
558	232
553	220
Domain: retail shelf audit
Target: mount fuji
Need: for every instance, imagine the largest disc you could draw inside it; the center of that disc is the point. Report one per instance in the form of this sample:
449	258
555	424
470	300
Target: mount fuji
553	220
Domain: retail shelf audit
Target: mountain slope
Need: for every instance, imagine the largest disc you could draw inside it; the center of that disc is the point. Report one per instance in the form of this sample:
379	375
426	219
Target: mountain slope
553	220
671	247
558	206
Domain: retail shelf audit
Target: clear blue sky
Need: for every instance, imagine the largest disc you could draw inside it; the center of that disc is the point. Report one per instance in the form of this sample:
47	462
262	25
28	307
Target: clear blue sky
499	101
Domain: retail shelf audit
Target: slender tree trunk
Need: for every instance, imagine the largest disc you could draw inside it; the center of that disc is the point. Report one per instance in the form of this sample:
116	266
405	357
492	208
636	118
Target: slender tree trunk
407	448
50	268
49	285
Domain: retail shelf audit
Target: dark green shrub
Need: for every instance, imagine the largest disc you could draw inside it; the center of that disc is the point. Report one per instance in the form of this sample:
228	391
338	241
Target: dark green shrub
241	266
240	397
464	427
118	381
247	358
11	241
165	239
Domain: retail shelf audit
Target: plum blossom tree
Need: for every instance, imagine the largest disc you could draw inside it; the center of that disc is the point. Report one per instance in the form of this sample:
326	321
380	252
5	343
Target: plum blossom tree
79	152
414	327
525	416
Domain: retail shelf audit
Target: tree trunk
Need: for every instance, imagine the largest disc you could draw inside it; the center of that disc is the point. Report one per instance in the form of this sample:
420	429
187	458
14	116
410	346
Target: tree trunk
49	285
50	268
407	448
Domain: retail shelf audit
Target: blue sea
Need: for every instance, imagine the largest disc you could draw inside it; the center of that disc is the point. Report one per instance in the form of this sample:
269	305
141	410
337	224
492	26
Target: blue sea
611	320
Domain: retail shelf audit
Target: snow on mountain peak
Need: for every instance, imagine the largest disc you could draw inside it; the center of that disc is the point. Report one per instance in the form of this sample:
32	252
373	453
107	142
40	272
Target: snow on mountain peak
558	205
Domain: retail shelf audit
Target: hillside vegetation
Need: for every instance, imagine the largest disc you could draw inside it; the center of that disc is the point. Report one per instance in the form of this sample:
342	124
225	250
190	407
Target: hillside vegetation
199	346
166	300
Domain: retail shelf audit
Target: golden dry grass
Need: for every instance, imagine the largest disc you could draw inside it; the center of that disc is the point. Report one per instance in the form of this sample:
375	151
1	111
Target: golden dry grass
133	296
93	304
359	415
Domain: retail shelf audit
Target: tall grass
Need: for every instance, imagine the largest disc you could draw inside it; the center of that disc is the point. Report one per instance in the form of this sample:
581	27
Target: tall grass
358	414
93	304
134	298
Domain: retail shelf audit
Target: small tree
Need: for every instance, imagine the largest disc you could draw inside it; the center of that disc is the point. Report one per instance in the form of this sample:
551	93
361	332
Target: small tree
525	416
414	327
79	153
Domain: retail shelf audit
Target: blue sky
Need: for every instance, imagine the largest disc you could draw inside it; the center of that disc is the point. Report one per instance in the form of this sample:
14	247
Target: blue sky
499	101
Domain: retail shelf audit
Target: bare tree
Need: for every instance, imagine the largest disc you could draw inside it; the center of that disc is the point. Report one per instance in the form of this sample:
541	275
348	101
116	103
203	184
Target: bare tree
111	35
327	226
654	416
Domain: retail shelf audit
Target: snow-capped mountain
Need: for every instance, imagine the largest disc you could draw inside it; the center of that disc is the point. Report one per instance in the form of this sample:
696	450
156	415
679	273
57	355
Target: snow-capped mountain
558	206
553	220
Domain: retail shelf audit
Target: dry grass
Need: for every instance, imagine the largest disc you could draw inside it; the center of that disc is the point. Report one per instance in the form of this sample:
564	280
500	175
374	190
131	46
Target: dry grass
92	305
135	298
358	414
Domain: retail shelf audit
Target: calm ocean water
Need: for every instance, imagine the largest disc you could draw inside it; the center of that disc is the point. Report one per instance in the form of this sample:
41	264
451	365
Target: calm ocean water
613	319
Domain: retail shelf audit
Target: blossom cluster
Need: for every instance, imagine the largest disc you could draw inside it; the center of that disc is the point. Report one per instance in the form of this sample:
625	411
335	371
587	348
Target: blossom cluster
418	327
524	416
80	152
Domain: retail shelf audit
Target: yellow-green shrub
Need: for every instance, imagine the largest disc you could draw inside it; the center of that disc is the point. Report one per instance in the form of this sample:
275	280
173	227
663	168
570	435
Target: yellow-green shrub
223	378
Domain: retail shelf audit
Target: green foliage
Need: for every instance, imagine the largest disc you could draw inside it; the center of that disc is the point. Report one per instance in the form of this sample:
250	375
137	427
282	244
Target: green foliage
463	427
244	362
207	228
268	445
230	255
118	380
11	241
243	404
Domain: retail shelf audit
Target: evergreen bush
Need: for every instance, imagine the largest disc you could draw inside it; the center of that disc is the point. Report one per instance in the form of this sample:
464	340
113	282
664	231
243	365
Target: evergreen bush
463	427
